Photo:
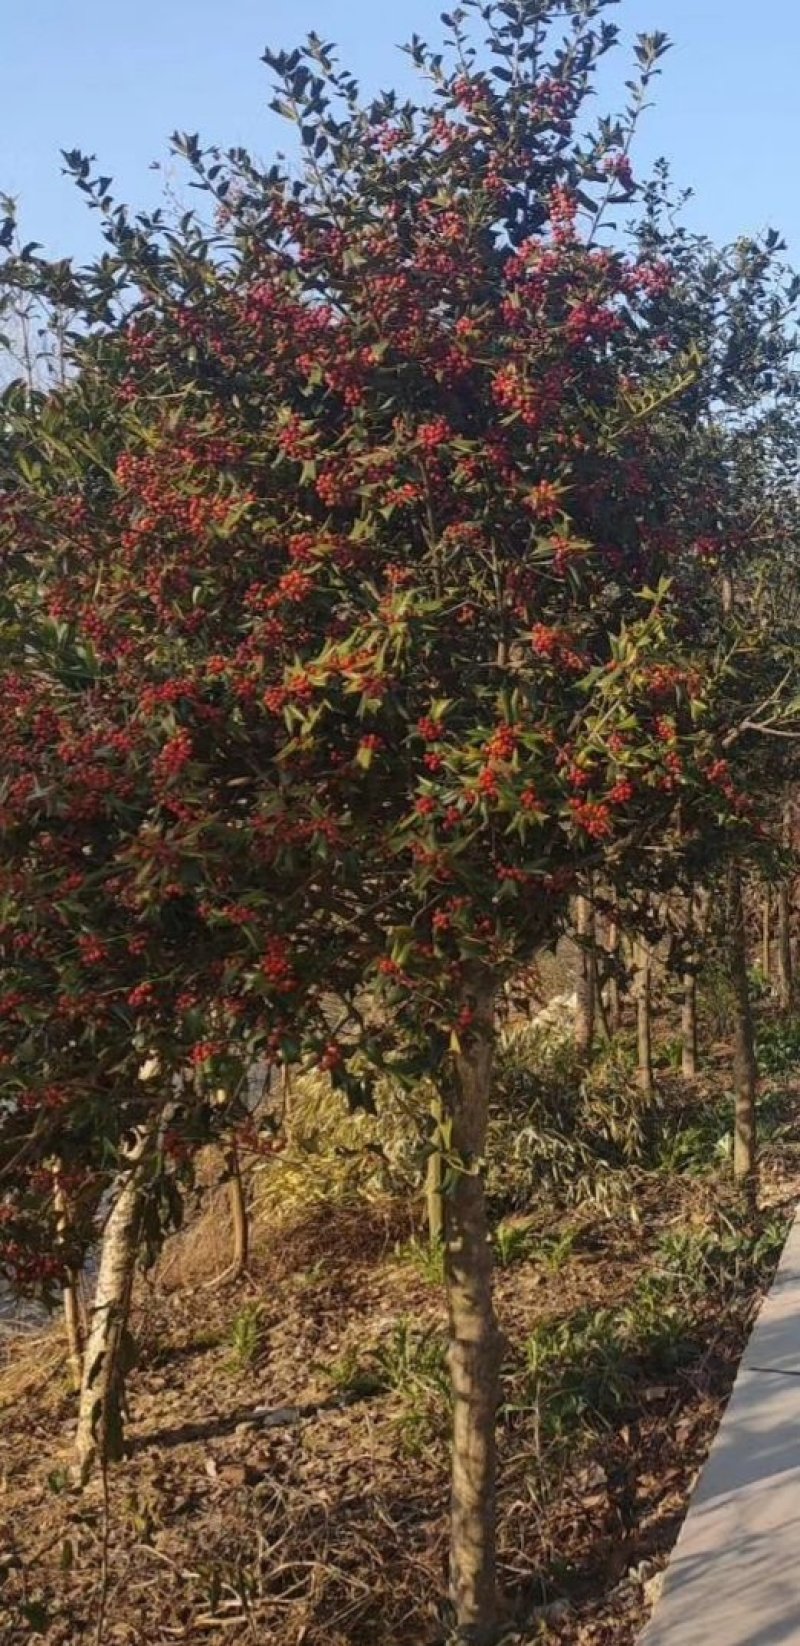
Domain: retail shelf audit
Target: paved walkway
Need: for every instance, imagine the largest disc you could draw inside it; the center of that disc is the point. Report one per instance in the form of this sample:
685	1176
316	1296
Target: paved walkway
734	1576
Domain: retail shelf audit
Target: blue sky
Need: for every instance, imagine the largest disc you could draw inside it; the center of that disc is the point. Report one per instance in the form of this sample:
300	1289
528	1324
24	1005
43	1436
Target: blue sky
115	77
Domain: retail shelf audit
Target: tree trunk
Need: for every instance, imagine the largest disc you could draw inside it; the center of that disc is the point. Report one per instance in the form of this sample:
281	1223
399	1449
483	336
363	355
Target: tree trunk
287	1094
689	1027
600	1001
475	1341
100	1415
434	1178
239	1218
613	990
73	1324
689	1005
766	934
785	965
585	989
644	1026
785	968
745	1072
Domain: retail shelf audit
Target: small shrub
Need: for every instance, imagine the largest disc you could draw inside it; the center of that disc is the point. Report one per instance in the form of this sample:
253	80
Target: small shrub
698	1138
339	1156
512	1243
247	1337
574	1373
656	1327
778	1047
715	999
767	1245
308	1278
560	1130
726	1259
670	1053
760	986
694	1139
577	1373
426	1257
352	1378
413	1365
692	1149
410	1363
555	1251
409	1356
775	1123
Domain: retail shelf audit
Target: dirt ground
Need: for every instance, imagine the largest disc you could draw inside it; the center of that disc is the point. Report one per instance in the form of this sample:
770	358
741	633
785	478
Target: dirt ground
287	1477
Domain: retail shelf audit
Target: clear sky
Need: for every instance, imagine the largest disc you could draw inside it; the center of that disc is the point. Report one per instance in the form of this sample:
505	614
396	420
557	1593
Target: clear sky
115	77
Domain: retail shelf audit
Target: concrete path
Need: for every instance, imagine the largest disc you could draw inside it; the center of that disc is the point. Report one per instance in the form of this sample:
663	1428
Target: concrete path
734	1575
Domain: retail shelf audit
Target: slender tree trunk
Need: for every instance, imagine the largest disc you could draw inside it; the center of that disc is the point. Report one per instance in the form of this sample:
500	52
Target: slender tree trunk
644	1024
689	1027
239	1218
766	934
585	990
613	990
287	1096
99	1431
745	1072
73	1325
689	1005
785	967
600	1000
475	1341
785	959
434	1178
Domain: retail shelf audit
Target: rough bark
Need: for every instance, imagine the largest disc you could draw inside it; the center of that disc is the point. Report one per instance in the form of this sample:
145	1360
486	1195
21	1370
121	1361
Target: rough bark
434	1198
784	900
766	934
689	1003
602	1007
585	983
644	1024
239	1217
745	1071
614	1007
785	967
73	1324
287	1095
689	1027
475	1342
99	1433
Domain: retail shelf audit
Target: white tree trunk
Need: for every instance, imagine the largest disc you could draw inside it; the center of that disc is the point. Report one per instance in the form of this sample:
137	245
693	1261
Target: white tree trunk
99	1432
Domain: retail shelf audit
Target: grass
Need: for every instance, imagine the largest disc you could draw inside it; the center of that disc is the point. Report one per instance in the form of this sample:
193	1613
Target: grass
426	1258
512	1243
353	1378
578	1372
724	1259
247	1337
778	1046
410	1363
28	1365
